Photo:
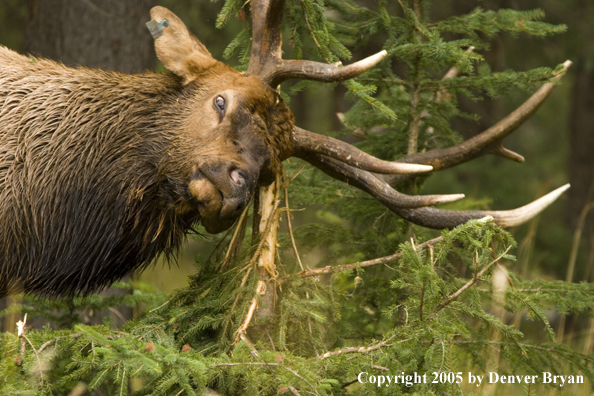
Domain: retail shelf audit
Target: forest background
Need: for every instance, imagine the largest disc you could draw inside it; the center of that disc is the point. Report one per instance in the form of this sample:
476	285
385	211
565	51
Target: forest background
557	141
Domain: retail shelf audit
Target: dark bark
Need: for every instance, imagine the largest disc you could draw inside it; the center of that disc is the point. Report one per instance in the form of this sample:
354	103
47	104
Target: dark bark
108	34
581	160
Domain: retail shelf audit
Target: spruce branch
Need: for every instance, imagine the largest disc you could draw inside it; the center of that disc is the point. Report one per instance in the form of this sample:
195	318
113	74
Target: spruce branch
237	237
237	297
21	324
55	340
21	332
313	36
422	300
557	349
294	391
475	279
486	142
415	120
442	93
241	332
241	303
361	264
442	356
291	178
290	228
296	374
368	349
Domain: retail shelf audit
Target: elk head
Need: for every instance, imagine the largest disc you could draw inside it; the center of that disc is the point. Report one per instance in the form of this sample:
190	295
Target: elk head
243	126
248	130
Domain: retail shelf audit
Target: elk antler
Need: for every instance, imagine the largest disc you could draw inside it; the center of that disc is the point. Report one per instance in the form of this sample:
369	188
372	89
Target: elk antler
486	142
427	216
266	57
346	163
306	142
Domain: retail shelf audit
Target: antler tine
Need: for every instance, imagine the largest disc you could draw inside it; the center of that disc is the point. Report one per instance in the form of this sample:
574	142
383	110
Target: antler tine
443	218
487	142
317	71
378	189
266	57
422	214
307	142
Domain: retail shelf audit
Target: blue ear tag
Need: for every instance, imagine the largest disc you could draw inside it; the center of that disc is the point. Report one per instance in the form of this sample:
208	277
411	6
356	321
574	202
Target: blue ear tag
156	28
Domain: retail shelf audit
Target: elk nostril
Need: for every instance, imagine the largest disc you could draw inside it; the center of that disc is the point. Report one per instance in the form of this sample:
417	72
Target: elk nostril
237	178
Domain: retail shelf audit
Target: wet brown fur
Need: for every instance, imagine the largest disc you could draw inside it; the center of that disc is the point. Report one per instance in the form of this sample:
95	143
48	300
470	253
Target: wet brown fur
95	165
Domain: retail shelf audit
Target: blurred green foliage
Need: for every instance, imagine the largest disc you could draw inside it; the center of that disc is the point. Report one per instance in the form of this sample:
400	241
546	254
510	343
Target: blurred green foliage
13	18
462	305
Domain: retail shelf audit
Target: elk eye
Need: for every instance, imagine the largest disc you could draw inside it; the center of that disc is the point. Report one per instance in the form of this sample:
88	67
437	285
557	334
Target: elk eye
220	105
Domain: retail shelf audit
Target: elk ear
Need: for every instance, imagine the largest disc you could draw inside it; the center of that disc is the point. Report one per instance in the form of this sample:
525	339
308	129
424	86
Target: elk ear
178	49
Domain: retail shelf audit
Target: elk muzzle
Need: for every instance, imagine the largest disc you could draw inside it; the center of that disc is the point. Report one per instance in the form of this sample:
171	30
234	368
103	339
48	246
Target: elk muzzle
222	190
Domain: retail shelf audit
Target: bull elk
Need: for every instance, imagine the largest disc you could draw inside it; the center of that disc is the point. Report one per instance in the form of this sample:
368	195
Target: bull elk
100	172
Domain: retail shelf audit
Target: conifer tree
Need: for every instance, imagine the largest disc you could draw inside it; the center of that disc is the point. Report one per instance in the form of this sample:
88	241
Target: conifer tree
386	298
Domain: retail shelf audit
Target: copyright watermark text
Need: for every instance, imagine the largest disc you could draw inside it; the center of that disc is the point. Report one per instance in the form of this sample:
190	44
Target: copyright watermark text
410	379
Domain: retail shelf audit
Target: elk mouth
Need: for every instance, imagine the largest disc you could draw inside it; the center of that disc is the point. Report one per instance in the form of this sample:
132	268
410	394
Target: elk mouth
222	193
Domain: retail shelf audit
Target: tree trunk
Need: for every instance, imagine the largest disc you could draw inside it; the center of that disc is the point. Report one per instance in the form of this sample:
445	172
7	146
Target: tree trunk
107	34
581	160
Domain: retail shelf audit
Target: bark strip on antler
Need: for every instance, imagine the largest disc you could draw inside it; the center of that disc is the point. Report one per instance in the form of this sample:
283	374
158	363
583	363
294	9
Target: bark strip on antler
267	17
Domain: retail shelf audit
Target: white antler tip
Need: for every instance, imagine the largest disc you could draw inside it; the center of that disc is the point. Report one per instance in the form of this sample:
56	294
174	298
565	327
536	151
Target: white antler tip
556	193
373	60
379	56
451	198
413	168
549	198
515	217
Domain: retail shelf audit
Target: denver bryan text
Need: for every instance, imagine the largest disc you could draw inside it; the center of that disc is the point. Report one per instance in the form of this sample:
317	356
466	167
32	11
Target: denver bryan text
546	378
